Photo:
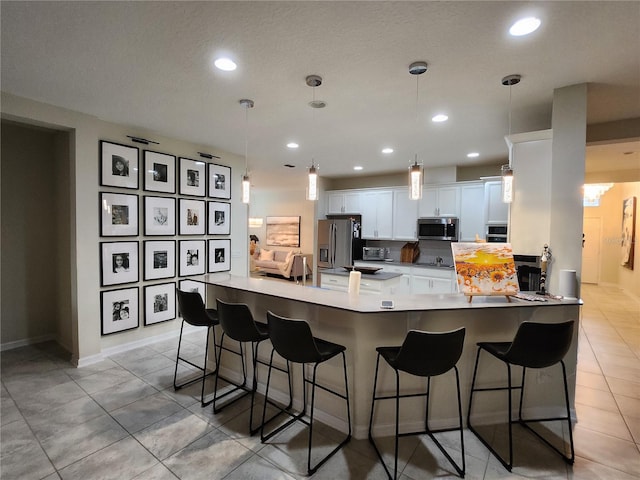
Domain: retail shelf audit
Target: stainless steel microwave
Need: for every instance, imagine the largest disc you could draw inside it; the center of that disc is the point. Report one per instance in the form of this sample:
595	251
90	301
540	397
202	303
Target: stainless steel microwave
438	228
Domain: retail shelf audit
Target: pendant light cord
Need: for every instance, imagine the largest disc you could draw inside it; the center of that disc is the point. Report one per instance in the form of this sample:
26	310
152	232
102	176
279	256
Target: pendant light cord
509	110
246	140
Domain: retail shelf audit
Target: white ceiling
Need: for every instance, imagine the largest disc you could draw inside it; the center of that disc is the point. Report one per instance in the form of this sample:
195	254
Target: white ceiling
149	65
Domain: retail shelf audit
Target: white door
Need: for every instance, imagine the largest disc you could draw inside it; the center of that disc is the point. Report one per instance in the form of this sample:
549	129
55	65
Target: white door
591	250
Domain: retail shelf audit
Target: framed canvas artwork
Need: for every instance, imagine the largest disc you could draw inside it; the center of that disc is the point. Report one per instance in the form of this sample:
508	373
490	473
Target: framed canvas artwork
283	231
219	181
628	231
219	255
159	303
118	165
118	214
159	172
485	268
159	259
193	177
119	262
219	218
192	217
119	310
159	216
192	257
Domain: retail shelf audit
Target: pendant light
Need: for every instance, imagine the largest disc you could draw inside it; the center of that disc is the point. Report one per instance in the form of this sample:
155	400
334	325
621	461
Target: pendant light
416	171
506	170
312	184
246	184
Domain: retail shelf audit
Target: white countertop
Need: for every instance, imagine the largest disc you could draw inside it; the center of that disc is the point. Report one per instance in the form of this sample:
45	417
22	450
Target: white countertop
369	303
378	276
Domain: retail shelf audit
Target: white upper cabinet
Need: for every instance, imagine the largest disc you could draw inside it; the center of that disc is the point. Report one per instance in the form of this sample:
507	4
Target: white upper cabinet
471	212
440	201
340	201
377	214
495	210
405	215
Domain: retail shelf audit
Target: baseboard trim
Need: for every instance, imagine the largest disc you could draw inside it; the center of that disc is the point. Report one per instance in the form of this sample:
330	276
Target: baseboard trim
26	341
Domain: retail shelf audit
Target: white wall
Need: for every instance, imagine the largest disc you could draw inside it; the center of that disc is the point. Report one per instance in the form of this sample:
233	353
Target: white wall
83	188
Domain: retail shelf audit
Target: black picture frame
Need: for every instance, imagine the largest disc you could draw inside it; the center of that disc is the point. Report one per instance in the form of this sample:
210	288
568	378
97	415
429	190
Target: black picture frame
159	216
192	257
193	177
159	172
192	217
159	259
219	218
118	165
113	305
118	214
219	181
194	286
159	303
219	255
118	263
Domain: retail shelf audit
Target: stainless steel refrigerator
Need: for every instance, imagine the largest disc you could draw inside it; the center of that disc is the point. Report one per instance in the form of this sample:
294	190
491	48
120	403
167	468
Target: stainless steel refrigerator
339	242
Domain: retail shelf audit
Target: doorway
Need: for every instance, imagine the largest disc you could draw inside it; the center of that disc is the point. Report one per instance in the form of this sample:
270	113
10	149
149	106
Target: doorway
592	231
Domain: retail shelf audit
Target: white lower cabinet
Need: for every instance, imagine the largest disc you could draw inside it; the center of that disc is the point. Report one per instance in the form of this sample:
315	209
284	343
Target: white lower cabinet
368	285
417	280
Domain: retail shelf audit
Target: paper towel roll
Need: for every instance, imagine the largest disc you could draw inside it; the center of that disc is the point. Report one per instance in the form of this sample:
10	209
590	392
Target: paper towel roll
354	282
568	283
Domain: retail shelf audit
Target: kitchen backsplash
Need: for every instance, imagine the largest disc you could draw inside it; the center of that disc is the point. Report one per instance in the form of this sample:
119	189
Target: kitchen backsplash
429	250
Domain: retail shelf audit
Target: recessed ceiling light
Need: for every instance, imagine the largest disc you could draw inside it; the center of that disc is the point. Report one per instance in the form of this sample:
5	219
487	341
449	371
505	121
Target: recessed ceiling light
226	64
387	150
288	165
357	167
524	26
473	155
292	145
441	117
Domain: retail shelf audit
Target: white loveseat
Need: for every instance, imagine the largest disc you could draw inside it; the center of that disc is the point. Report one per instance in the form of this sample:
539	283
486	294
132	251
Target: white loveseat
277	262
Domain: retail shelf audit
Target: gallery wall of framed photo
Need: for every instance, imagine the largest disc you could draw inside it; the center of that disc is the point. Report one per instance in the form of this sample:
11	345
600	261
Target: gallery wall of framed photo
163	218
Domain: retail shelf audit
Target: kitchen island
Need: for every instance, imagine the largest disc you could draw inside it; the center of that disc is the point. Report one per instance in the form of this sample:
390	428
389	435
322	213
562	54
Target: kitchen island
383	283
358	323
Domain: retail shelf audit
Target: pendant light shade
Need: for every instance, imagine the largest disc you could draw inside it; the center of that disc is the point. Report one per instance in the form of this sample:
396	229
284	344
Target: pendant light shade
416	172
312	188
507	172
246	183
313	81
507	184
416	177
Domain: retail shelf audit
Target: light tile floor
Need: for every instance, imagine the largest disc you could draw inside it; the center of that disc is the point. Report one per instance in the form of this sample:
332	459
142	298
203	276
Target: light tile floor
120	419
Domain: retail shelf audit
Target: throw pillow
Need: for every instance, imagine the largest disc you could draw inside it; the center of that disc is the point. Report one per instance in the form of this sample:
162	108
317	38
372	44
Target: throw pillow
266	255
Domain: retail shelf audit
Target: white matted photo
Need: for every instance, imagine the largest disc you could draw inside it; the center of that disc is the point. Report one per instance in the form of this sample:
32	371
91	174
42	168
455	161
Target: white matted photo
119	263
192	217
118	214
159	172
193	177
219	181
219	218
118	165
159	216
159	259
119	310
192	257
194	286
159	303
219	255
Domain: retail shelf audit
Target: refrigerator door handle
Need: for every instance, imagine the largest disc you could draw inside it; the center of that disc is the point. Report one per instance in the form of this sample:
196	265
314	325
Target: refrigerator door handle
334	241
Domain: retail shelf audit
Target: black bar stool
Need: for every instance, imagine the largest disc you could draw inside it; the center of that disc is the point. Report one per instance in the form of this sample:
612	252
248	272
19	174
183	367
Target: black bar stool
293	341
535	345
422	354
238	324
193	312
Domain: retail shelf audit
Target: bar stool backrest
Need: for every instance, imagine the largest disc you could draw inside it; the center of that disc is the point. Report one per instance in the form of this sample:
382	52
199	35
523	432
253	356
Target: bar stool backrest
237	321
427	354
192	309
540	345
292	339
